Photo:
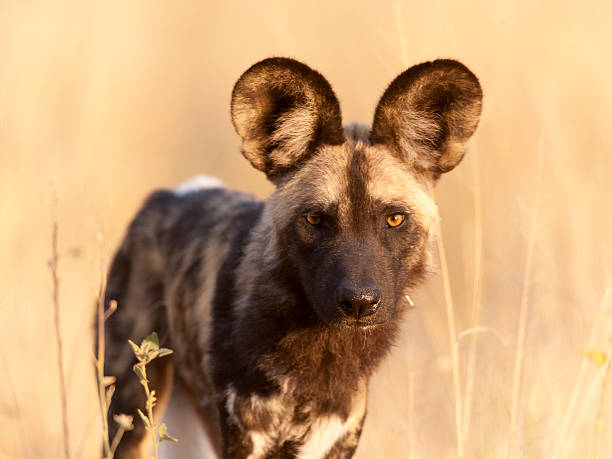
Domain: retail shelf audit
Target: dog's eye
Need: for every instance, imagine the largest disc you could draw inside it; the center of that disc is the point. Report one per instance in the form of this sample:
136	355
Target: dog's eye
395	220
314	219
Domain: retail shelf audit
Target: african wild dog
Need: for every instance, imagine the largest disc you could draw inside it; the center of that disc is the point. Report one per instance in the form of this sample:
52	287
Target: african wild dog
279	311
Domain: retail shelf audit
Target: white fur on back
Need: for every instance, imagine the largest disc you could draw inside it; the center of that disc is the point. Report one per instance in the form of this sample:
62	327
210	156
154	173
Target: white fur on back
199	182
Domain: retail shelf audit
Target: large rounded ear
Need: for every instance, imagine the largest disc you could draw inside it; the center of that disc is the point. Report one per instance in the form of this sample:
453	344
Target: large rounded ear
283	111
427	114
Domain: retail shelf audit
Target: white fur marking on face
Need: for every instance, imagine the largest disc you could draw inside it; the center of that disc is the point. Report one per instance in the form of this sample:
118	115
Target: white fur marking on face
391	180
197	183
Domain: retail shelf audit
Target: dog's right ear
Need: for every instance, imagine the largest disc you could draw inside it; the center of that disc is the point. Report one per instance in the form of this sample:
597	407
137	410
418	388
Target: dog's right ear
283	111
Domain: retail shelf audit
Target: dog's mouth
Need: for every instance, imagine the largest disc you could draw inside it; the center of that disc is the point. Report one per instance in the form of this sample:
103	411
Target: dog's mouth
358	324
365	326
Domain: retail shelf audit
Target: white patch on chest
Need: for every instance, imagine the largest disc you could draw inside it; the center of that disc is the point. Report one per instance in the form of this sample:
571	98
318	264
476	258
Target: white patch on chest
262	442
324	433
200	182
317	435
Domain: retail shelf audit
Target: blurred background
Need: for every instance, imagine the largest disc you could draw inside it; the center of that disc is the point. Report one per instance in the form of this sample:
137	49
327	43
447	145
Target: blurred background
102	102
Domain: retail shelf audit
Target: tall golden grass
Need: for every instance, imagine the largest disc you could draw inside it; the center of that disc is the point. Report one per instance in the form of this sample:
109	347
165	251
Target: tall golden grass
117	98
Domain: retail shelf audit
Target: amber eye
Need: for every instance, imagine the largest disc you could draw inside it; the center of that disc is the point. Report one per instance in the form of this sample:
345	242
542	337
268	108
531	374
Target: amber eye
395	220
313	219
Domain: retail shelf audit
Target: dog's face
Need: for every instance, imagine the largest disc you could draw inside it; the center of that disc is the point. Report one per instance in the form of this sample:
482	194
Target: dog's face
353	211
355	222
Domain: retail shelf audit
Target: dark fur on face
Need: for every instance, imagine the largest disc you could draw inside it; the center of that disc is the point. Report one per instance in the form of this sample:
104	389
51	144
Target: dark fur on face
279	312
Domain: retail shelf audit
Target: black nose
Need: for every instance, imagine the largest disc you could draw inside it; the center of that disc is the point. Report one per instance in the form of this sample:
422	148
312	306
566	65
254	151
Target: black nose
358	301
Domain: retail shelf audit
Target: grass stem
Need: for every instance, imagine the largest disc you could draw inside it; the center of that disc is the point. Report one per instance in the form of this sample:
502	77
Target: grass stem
601	410
573	412
452	334
477	290
102	391
513	443
53	267
411	411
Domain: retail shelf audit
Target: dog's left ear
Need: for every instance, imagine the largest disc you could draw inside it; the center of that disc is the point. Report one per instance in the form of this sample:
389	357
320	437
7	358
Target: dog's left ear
283	111
427	114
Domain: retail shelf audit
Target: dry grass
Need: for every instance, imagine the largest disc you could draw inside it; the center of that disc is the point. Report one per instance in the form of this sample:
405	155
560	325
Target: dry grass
476	301
117	98
54	268
515	442
452	334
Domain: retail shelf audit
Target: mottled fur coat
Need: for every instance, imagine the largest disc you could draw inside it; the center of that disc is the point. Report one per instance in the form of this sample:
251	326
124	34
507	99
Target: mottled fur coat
279	311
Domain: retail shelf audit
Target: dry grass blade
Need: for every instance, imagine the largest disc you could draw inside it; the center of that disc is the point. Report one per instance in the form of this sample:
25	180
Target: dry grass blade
22	431
601	410
106	384
471	364
450	312
513	443
53	267
569	422
112	307
411	436
402	34
102	391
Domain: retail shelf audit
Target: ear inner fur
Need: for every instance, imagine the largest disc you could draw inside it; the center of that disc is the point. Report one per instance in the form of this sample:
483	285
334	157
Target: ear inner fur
283	111
427	113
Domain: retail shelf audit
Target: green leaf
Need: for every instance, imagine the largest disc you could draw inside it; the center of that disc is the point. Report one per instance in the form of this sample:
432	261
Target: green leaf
162	431
169	438
139	351
141	372
164	351
135	347
151	340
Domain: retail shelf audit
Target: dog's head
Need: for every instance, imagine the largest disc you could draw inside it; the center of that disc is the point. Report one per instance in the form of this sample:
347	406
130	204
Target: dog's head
353	210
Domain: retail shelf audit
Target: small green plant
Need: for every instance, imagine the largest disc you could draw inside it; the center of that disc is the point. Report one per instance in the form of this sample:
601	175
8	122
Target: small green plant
148	351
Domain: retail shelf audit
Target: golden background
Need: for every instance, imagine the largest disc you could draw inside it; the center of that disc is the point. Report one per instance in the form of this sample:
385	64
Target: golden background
106	101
